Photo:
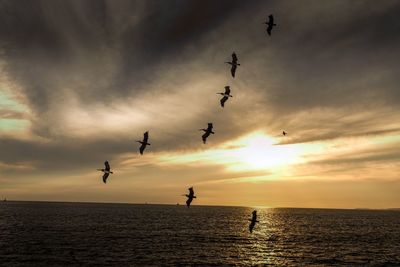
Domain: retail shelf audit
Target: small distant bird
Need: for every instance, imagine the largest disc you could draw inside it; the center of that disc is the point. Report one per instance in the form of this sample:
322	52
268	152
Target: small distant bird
234	64
226	95
106	171
207	132
284	133
144	142
253	221
270	24
190	196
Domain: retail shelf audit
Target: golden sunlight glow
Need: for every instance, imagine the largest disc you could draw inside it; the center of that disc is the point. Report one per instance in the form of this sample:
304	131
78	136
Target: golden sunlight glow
258	151
255	151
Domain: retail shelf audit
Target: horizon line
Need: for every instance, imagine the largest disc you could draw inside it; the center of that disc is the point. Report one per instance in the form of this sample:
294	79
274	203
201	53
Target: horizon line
178	204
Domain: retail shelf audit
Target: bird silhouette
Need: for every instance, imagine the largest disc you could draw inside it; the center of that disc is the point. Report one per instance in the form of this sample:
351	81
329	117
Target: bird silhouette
144	142
226	95
190	197
207	132
270	24
106	170
234	64
253	221
284	133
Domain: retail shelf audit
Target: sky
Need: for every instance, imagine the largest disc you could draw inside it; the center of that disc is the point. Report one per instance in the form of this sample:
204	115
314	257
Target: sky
81	81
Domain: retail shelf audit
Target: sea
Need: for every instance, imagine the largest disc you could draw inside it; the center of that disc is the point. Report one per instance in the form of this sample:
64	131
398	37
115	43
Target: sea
94	234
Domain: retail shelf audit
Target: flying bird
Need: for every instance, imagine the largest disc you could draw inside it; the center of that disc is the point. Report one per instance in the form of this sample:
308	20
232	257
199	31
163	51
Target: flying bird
234	64
253	221
207	132
284	133
270	24
226	95
190	196
106	171
144	142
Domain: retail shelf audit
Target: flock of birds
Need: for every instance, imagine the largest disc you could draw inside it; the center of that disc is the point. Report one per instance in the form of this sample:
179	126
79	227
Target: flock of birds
209	130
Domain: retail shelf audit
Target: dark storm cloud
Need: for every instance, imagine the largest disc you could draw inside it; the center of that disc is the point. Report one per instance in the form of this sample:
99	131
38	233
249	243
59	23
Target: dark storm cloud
336	54
47	157
38	37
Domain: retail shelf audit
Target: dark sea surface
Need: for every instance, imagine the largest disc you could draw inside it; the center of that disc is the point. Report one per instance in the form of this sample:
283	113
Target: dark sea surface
64	234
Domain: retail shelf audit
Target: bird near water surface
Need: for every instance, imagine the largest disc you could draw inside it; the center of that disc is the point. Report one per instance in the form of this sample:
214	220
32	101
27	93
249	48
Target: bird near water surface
226	95
234	64
253	221
107	171
190	197
144	142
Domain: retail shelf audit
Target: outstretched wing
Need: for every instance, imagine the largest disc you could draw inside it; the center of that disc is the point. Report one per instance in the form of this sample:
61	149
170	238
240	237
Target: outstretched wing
142	147
145	137
233	70
191	191
269	30
251	226
234	57
188	201
107	166
204	136
210	126
105	176
227	90
223	100
271	19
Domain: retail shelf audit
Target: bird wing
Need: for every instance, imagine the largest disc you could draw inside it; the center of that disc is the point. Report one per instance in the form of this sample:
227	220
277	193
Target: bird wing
105	176
223	100
269	29
145	137
234	57
210	126
204	136
191	191
142	147
107	166
188	201
233	70
227	90
271	19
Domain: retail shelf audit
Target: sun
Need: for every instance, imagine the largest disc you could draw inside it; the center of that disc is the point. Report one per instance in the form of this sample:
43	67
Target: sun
258	151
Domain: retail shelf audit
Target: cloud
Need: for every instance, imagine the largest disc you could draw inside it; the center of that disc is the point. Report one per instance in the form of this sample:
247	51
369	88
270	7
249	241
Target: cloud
88	78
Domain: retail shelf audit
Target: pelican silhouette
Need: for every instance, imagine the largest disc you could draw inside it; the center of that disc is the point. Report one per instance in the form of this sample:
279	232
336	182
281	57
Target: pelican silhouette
253	221
226	95
207	132
270	24
190	197
144	142
284	133
106	171
234	64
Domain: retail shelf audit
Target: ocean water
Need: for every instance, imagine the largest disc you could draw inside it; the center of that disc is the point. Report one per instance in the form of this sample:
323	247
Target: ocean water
78	234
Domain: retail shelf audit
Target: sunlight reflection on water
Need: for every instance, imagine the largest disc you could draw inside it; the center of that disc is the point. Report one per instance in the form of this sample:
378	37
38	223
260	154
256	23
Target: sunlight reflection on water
121	234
